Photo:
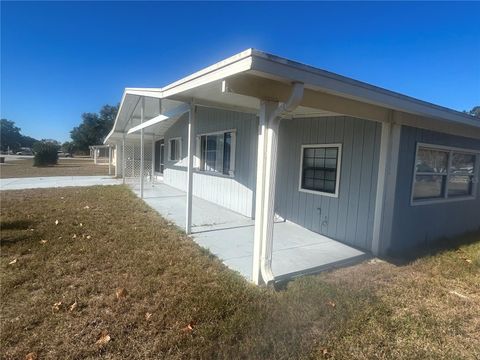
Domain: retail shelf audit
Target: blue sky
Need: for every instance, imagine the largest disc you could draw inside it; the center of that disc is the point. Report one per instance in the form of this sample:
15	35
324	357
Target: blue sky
60	59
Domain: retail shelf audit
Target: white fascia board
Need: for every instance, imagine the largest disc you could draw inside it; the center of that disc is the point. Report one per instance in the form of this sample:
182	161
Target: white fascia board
217	74
211	69
116	118
153	92
174	113
319	79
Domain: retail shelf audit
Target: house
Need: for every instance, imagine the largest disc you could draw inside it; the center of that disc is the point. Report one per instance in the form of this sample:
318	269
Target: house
270	138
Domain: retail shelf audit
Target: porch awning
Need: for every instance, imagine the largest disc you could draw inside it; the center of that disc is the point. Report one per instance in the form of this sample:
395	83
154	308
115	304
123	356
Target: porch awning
173	114
158	116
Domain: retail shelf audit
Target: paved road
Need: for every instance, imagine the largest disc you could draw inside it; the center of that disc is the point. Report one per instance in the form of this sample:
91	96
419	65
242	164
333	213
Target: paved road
56	181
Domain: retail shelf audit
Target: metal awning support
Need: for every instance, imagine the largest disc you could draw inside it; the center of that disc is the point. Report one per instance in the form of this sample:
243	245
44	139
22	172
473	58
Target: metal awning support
173	113
109	160
142	150
123	158
191	149
153	160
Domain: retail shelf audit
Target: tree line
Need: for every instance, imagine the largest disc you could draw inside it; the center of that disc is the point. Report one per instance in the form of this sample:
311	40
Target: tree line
92	131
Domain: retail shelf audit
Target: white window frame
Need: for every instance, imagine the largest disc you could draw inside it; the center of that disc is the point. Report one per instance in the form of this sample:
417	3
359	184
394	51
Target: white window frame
445	198
179	139
198	156
339	167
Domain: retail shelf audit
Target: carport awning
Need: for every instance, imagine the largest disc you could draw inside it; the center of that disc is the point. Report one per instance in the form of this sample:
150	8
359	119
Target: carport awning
173	114
158	116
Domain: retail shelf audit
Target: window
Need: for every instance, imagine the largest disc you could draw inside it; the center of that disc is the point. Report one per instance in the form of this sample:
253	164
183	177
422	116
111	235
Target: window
217	152
320	168
175	149
443	173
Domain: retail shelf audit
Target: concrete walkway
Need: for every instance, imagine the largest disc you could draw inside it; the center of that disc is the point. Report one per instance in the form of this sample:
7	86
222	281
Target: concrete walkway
229	236
56	181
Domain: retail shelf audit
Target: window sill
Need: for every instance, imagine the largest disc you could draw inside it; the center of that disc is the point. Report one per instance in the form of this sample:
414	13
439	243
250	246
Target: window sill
441	201
335	195
211	173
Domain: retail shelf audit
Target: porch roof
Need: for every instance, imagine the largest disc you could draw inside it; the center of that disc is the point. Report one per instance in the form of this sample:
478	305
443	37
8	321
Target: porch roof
241	81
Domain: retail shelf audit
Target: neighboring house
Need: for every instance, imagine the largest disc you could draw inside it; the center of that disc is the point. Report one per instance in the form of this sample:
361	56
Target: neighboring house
264	136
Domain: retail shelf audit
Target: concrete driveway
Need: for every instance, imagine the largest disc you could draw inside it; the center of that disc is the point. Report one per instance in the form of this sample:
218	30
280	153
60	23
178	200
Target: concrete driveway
56	181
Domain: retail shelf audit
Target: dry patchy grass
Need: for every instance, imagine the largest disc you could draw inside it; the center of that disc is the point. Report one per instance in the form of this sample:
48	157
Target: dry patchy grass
65	167
107	239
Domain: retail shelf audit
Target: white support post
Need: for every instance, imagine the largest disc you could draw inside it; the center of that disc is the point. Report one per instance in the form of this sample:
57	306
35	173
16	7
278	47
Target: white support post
109	160
269	201
259	190
266	109
142	150
117	159
123	159
386	186
153	160
191	149
95	156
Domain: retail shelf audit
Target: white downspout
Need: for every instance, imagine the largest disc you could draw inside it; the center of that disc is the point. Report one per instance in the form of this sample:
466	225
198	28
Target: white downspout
270	166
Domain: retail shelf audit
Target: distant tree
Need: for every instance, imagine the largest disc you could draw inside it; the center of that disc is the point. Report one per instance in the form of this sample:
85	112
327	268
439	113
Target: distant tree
11	137
475	111
94	127
68	147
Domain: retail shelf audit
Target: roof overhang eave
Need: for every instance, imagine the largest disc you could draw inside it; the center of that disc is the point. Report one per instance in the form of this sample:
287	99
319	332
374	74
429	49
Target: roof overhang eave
254	62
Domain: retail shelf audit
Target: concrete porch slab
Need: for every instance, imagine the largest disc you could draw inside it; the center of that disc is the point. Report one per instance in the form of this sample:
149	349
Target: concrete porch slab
229	236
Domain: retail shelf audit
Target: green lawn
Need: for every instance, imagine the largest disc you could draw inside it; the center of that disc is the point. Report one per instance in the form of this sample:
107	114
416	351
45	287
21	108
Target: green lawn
182	303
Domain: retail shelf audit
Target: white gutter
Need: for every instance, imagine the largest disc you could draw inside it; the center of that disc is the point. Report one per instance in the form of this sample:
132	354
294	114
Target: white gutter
270	166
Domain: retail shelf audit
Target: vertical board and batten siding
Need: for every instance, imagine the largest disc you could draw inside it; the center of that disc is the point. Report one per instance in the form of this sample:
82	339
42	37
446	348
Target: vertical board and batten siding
421	225
348	218
235	193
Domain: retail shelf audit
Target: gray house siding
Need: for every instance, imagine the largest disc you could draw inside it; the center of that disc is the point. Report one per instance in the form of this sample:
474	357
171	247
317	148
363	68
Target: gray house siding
234	193
422	224
348	218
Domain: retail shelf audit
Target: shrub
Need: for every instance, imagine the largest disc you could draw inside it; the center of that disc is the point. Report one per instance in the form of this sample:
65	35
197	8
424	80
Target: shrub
46	153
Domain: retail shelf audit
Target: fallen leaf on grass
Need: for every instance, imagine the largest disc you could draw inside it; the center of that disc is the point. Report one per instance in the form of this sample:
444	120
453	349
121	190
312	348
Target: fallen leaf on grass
57	306
325	352
189	327
103	338
31	356
80	224
43	242
73	306
331	303
121	293
13	261
148	316
74	236
87	207
56	222
459	295
89	237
